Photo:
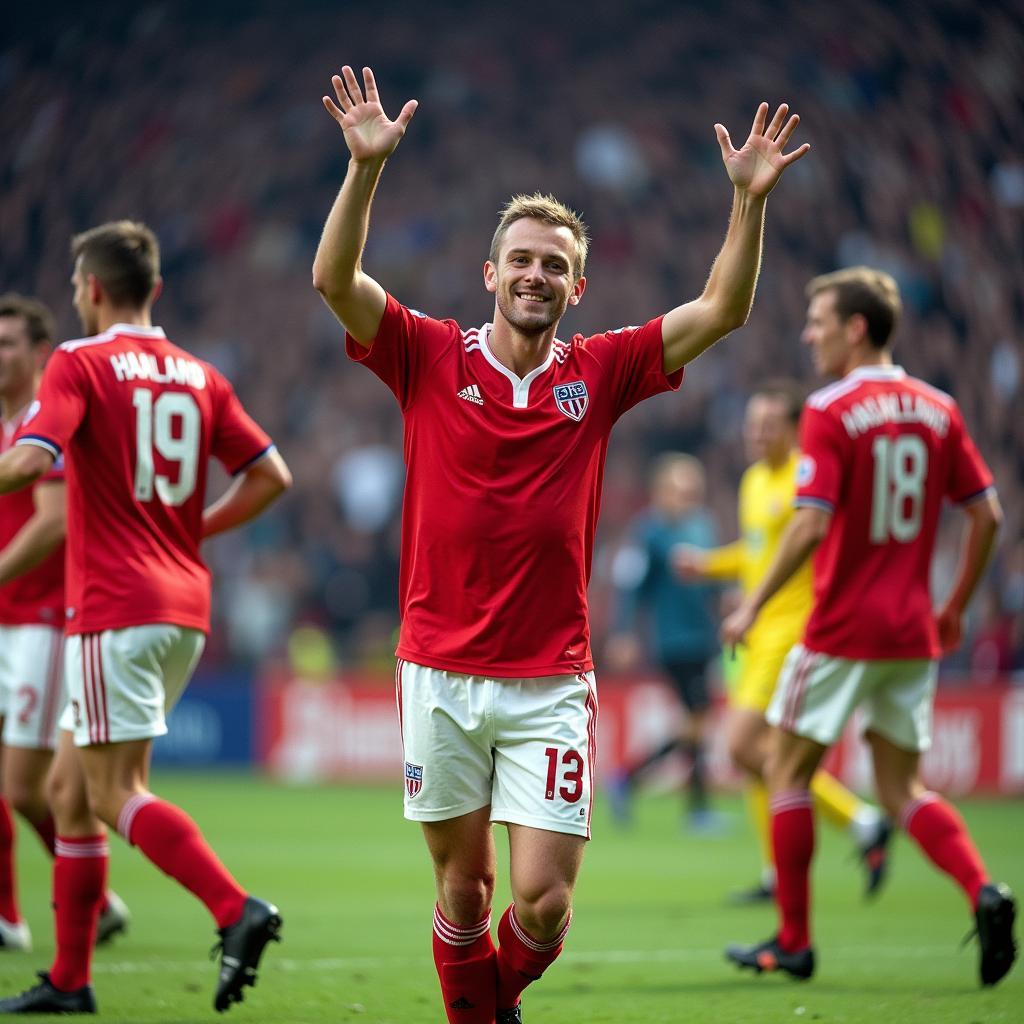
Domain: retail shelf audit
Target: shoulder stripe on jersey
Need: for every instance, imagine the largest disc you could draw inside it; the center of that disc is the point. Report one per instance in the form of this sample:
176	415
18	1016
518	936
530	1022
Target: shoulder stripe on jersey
806	501
935	392
40	442
111	333
824	397
256	458
471	338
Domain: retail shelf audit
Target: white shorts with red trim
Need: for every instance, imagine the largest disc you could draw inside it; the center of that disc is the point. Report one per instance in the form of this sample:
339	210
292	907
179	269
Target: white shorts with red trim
31	685
817	693
524	747
123	682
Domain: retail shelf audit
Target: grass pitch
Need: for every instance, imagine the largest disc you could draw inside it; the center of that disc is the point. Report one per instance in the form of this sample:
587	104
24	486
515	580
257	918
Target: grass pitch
355	888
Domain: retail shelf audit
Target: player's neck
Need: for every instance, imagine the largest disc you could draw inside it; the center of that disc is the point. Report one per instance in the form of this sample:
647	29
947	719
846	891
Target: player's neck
873	357
107	316
517	351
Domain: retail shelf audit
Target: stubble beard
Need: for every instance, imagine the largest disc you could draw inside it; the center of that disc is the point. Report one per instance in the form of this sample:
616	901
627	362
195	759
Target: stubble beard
534	325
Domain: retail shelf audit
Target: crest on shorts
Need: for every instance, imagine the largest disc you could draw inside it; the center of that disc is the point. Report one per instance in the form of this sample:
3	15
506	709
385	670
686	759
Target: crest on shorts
413	778
572	399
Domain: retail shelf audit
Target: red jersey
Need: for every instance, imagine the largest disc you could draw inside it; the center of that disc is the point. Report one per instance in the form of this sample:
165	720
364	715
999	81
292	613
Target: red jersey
503	488
37	596
137	419
881	451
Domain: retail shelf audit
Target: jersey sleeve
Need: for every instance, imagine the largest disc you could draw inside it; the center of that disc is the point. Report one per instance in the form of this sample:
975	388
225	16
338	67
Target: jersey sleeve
59	407
726	563
819	474
237	439
969	475
406	343
637	358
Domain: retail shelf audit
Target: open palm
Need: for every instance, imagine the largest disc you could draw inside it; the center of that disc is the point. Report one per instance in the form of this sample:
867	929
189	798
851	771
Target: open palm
759	163
369	133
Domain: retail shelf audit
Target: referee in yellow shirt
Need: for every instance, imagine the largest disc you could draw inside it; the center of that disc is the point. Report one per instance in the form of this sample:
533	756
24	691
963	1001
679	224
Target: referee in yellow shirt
765	506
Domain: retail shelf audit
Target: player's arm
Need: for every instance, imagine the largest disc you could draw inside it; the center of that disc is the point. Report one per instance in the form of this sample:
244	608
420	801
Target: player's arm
695	564
728	295
355	298
40	535
250	493
23	465
984	518
803	534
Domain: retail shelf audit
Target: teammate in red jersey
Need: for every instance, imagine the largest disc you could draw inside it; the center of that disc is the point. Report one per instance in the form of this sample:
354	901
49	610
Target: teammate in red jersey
32	525
506	429
136	419
881	452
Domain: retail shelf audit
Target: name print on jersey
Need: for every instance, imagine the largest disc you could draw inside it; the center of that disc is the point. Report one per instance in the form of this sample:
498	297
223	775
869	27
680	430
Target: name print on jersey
129	366
572	399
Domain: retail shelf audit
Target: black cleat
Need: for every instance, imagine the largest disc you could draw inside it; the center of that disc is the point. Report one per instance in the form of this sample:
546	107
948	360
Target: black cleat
769	956
759	893
241	946
875	858
44	998
995	916
513	1016
114	919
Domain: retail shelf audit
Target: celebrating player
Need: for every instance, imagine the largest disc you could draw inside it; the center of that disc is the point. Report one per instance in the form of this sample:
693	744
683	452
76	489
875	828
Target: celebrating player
136	419
881	450
32	525
765	508
682	627
506	428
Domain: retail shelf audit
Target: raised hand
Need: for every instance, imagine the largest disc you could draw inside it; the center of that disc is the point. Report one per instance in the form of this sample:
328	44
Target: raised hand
369	134
759	163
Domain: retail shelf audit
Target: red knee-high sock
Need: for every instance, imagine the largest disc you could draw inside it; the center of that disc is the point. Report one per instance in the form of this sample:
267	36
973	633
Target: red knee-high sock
464	958
521	958
172	841
79	881
47	832
793	846
940	831
8	897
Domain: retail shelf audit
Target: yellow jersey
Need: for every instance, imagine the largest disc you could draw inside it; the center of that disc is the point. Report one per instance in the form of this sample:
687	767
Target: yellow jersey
765	508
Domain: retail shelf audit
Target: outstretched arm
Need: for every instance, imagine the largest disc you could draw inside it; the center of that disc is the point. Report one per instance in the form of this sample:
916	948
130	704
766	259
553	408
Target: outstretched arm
23	464
728	295
356	299
40	535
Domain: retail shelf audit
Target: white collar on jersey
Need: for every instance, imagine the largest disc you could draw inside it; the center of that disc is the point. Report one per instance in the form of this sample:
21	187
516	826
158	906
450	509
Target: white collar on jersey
142	332
520	385
886	371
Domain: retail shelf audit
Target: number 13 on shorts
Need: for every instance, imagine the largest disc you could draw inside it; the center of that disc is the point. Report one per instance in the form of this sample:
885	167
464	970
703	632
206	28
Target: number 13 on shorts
572	764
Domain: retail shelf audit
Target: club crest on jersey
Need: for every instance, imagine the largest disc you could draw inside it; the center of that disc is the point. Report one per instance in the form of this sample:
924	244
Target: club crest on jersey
805	470
572	399
413	778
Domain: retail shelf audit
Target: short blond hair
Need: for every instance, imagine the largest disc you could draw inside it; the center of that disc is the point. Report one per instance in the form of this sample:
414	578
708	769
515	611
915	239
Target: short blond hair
871	293
548	210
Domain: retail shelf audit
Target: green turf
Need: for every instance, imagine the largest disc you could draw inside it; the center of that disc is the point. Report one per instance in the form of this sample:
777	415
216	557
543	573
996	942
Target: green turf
355	888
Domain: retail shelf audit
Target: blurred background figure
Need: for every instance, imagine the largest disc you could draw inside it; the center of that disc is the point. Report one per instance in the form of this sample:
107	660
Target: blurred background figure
661	619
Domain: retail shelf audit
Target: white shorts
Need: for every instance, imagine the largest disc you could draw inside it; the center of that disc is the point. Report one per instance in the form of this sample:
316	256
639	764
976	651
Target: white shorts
524	747
122	682
31	685
817	693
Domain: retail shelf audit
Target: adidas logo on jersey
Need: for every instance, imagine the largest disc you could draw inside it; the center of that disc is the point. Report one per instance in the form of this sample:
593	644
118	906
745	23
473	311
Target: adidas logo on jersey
472	394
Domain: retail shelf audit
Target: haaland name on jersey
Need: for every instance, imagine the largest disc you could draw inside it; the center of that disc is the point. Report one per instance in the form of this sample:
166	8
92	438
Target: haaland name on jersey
875	410
130	366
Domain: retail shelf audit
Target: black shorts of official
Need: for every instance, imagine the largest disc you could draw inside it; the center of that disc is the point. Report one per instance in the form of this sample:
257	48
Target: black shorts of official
690	681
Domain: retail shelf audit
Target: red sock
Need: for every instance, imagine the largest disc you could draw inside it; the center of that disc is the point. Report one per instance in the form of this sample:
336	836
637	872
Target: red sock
8	897
940	831
172	841
521	958
47	832
79	881
793	846
464	958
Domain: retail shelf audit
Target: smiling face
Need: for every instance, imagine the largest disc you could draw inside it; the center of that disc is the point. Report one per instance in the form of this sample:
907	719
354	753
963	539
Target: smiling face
532	277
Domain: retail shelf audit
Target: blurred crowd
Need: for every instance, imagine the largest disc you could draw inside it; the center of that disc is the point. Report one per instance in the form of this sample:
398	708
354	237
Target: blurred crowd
206	122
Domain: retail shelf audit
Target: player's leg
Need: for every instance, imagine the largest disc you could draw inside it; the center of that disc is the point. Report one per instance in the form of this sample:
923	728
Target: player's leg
447	738
898	724
543	791
692	685
544	868
462	850
121	684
